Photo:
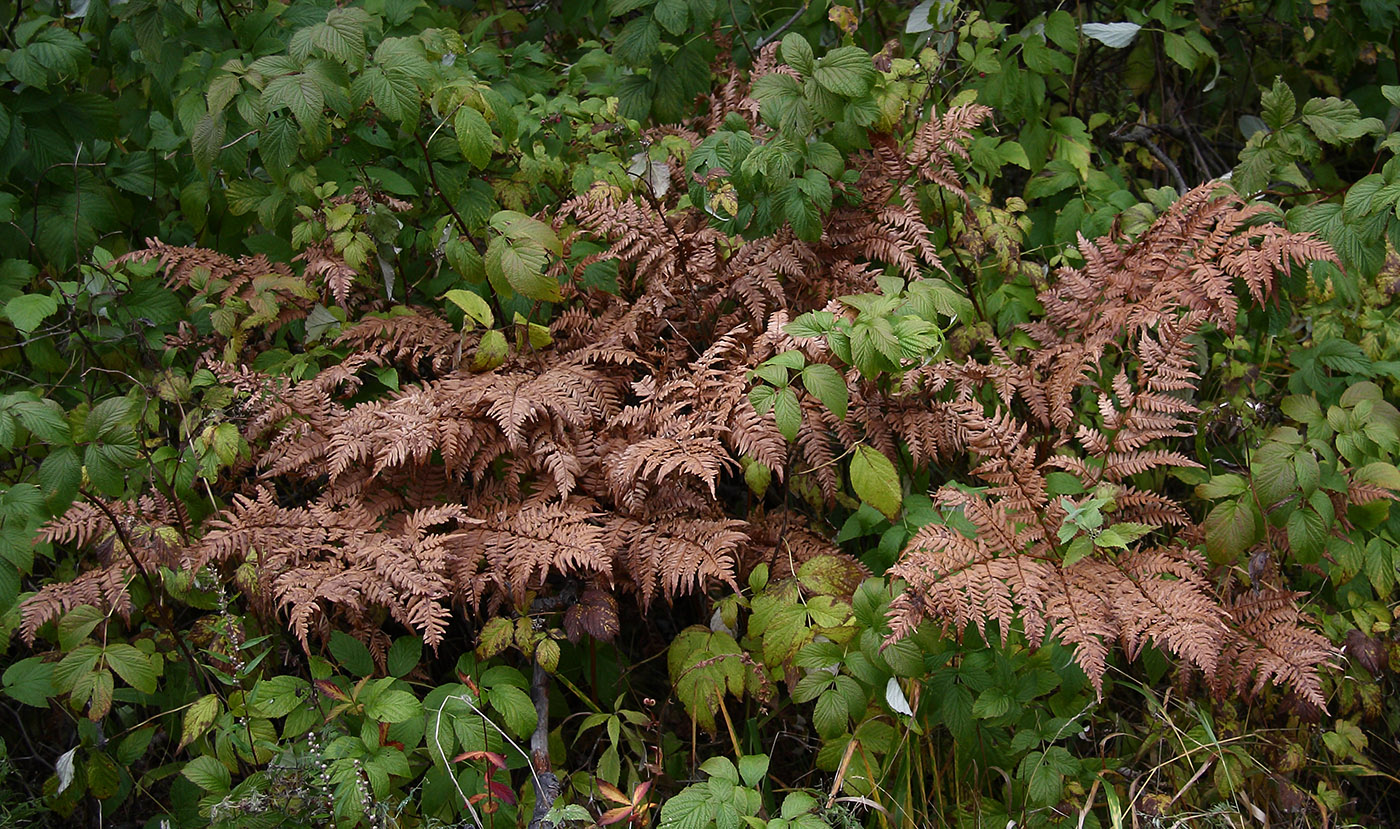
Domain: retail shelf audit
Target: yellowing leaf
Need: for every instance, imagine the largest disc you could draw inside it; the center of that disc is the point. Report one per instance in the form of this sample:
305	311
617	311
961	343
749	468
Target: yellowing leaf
198	718
875	480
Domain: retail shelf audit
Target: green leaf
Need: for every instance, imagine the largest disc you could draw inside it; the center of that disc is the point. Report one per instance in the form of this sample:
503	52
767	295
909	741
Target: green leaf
27	311
520	227
638	41
846	71
1080	547
103	777
299	93
1278	105
30	681
1222	486
875	480
797	53
60	475
788	413
351	653
753	768
1336	121
112	418
75	625
278	696
1180	50
133	666
515	708
520	264
43	418
208	774
812	324
673	15
1121	535
829	716
782	103
404	655
394	706
990	704
474	136
490	352
827	384
1231	528
473	305
1307	535
393	92
1045	782
198	718
277	144
1271	472
691	809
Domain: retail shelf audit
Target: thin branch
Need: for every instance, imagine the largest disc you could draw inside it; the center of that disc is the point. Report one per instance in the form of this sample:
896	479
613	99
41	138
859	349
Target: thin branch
1141	134
769	38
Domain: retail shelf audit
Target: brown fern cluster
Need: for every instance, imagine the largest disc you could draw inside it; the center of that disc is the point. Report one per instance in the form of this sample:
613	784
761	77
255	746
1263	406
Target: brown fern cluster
1115	341
608	462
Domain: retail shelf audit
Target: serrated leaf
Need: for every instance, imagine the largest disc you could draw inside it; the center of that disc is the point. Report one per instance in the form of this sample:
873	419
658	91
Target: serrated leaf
846	71
208	774
1222	486
673	15
1278	105
473	305
60	475
30	681
515	708
198	718
828	386
797	53
278	696
753	768
1336	121
299	93
638	41
829	716
1080	547
1231	528
43	418
788	413
491	351
395	706
133	666
351	653
518	226
1307	535
519	263
393	92
875	480
28	311
404	655
474	136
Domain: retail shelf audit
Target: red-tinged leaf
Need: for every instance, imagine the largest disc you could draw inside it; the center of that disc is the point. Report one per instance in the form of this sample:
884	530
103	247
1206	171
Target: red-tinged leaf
612	792
331	690
617	815
641	793
494	758
501	791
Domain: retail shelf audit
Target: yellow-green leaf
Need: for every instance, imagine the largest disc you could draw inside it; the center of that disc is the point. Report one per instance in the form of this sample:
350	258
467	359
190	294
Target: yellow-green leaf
875	480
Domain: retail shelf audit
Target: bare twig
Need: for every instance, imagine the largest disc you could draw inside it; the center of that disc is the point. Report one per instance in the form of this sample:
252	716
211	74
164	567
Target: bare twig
769	38
1141	134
